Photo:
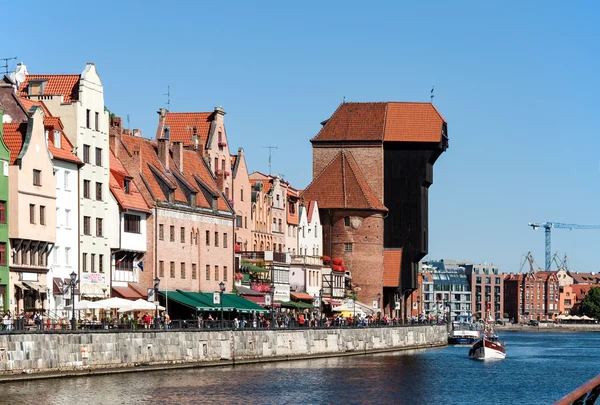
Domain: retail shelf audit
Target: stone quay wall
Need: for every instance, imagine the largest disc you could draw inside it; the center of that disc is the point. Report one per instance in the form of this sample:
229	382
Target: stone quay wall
41	355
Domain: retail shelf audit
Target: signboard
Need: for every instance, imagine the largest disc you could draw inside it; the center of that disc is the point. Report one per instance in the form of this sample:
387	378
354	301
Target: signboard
93	278
66	291
316	301
415	305
151	297
216	298
268	299
375	304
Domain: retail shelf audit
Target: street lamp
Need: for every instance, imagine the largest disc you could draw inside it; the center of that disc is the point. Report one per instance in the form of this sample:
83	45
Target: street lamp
156	283
221	291
272	292
379	306
73	283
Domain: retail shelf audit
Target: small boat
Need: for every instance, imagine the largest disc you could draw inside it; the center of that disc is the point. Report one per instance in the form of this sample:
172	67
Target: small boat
489	347
464	331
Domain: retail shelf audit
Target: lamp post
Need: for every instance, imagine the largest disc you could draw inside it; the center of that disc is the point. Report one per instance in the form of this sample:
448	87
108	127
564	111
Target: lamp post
156	284
320	306
379	307
221	291
73	283
272	292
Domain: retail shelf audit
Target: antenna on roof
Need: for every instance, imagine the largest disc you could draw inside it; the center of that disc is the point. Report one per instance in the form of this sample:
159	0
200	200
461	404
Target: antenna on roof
5	60
168	94
128	125
343	99
432	95
270	152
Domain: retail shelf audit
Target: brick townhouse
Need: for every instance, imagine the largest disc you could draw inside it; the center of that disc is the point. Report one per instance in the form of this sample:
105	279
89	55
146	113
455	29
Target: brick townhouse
190	232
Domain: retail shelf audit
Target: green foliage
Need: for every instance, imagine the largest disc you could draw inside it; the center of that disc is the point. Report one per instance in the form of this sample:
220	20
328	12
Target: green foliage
591	303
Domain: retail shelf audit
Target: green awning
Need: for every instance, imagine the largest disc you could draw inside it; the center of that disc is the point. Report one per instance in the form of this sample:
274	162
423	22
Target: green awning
254	268
203	301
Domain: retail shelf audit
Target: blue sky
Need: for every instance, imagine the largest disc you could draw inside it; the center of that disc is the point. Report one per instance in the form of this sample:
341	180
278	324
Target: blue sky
517	82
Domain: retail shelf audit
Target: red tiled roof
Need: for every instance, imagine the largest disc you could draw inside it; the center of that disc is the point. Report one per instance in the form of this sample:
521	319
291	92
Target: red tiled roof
27	103
342	185
65	152
389	122
154	173
309	213
585	278
65	85
181	126
392	263
14	134
132	200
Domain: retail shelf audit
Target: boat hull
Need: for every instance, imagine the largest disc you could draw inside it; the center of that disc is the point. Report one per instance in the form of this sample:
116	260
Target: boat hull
461	340
487	350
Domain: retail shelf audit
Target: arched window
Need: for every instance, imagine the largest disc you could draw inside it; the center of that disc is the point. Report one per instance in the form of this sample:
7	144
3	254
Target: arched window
262	246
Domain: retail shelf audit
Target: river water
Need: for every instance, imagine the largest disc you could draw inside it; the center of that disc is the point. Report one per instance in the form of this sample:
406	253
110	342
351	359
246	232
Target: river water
539	368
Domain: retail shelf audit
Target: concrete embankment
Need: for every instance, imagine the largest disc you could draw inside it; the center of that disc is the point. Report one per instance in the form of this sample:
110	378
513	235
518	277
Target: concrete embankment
550	327
46	355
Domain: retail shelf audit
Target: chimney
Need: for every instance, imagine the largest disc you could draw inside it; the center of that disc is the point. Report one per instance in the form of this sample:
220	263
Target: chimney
241	151
219	113
114	134
162	112
137	132
163	148
127	132
195	138
178	154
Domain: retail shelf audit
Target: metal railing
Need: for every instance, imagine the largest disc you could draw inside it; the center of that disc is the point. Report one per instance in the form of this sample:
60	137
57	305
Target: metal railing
20	326
586	394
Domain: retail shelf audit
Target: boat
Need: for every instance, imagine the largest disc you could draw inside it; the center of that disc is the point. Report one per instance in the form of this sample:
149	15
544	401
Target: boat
464	331
489	347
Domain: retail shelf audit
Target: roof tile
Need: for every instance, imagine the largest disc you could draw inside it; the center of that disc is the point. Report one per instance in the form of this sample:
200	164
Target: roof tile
341	185
132	200
65	85
14	134
383	121
392	263
181	126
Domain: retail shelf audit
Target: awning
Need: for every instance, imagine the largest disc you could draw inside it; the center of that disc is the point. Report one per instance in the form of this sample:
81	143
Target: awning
91	290
203	301
331	302
257	299
21	286
252	268
34	286
139	289
296	305
302	296
127	292
57	286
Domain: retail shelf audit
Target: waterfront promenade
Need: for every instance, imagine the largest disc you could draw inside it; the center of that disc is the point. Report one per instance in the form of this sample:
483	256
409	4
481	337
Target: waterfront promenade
42	354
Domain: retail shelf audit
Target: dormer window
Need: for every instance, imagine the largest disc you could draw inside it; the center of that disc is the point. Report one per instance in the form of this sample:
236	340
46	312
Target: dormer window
126	185
36	87
57	139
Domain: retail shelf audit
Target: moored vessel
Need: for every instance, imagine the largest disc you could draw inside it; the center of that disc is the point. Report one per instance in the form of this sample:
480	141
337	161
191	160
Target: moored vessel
464	331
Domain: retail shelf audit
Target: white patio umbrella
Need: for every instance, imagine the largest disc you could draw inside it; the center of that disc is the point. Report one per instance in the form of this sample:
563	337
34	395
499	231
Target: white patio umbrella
141	305
113	303
84	304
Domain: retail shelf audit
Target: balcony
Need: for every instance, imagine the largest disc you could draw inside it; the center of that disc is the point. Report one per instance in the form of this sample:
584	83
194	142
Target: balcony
310	260
251	255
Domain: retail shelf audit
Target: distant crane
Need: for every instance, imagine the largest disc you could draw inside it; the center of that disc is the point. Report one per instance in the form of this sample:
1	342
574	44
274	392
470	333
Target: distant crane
528	258
547	230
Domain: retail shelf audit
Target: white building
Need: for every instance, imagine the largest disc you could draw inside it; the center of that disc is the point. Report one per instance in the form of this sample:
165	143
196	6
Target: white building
307	265
64	255
128	212
78	99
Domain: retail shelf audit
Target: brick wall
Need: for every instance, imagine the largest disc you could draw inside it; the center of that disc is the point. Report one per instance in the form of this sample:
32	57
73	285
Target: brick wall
368	157
366	259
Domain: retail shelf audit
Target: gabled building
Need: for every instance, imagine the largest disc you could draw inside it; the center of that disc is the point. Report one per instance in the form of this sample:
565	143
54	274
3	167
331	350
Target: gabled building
128	216
5	291
79	100
190	232
395	145
531	296
307	261
242	201
32	202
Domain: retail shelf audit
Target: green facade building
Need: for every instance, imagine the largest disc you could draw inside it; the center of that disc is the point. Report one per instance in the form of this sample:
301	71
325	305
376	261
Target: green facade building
4	244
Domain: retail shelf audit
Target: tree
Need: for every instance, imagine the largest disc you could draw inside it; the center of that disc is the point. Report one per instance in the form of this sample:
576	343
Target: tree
591	303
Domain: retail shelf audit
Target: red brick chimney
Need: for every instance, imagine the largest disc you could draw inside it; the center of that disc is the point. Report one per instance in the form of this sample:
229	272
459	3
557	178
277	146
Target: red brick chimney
163	148
114	134
178	155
